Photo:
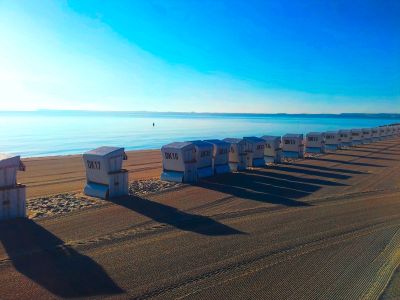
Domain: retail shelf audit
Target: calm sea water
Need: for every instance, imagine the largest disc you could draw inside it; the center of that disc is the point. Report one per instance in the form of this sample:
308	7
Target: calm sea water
60	133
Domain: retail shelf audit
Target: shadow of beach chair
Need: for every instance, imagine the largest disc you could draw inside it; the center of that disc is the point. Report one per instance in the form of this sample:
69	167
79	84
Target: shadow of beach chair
42	257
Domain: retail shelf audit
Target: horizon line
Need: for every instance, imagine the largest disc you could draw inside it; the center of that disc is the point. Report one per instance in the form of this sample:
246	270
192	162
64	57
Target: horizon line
196	112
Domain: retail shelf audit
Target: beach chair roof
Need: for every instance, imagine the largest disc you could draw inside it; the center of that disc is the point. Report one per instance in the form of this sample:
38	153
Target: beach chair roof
269	138
253	139
218	142
233	140
8	160
5	156
201	144
178	145
293	135
106	151
315	133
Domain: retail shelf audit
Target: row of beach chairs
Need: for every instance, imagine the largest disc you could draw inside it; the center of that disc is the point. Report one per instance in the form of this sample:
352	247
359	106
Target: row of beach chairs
192	160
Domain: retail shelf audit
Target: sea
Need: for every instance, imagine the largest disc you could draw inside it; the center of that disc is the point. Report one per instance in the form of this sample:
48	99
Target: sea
50	133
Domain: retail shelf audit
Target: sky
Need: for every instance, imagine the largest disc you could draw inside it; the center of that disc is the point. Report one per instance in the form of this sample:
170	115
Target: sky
200	56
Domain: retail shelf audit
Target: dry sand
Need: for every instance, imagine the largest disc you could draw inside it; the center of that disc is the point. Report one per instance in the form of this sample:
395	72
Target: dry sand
326	227
59	174
52	205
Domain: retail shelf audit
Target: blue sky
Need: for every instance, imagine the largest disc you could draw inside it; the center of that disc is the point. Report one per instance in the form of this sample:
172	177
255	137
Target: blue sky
203	56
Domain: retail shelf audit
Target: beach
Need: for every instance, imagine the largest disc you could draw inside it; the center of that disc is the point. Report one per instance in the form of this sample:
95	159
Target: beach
58	174
322	227
200	150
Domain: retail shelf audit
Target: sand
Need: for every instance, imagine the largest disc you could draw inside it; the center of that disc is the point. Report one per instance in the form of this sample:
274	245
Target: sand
326	227
59	204
59	174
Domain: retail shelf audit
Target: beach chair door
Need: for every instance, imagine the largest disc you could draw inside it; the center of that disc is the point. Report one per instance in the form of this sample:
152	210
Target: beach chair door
115	163
189	157
190	174
232	153
301	151
6	206
193	173
115	186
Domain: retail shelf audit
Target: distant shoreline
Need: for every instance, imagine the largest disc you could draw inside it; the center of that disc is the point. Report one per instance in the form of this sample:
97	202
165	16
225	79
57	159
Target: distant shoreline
205	114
